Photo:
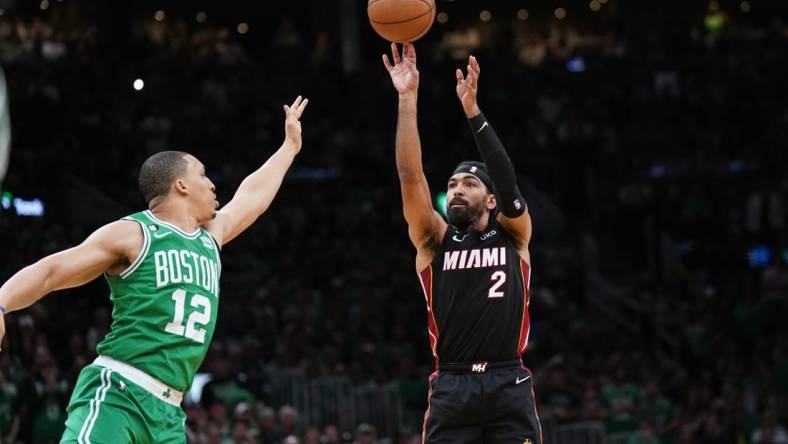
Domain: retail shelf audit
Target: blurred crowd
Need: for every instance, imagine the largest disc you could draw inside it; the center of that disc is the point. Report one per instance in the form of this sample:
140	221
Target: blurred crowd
653	163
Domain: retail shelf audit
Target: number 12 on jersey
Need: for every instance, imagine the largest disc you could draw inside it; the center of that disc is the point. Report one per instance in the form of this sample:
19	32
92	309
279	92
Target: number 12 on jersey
198	318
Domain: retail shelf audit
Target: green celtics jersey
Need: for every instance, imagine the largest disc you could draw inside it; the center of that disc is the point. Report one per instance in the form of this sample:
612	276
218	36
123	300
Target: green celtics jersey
165	303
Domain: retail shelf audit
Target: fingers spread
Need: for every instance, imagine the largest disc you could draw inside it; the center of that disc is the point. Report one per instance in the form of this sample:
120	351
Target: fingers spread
302	106
395	53
458	75
474	68
386	63
410	52
296	102
474	64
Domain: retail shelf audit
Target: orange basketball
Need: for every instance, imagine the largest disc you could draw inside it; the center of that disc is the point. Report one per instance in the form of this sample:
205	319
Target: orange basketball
401	20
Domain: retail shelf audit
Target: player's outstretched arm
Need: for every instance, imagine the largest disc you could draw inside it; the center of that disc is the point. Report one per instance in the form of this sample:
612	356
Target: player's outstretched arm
113	245
513	212
258	190
425	226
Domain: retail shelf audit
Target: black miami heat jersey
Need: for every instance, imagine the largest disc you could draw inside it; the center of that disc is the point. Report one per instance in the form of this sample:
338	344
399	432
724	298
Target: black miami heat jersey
477	292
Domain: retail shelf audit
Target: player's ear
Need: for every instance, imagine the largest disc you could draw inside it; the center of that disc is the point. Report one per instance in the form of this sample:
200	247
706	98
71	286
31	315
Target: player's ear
491	204
180	187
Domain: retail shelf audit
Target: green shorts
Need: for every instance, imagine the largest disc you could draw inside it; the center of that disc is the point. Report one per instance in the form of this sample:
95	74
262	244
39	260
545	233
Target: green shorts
107	408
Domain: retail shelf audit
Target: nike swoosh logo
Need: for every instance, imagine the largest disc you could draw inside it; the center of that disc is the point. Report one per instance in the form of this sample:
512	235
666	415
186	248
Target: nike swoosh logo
520	380
161	235
480	129
459	240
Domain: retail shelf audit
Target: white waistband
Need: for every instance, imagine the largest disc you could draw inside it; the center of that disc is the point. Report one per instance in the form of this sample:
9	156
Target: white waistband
142	379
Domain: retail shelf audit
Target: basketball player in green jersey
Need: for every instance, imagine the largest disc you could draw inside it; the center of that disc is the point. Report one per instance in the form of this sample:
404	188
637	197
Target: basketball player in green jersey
163	269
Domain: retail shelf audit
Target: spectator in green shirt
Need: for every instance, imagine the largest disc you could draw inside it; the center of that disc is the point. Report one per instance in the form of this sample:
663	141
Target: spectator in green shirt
620	398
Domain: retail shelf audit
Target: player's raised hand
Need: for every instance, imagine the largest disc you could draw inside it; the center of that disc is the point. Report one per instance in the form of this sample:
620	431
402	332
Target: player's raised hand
293	123
467	86
404	74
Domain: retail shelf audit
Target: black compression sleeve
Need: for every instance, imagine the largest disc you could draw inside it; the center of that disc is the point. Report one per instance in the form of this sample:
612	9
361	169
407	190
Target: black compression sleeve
510	201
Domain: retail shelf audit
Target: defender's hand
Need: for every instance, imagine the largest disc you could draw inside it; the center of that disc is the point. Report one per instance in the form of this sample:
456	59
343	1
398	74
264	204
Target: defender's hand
404	74
293	123
467	87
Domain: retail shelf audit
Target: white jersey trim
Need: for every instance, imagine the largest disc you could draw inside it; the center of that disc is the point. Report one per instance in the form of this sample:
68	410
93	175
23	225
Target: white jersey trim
143	251
95	406
174	228
215	246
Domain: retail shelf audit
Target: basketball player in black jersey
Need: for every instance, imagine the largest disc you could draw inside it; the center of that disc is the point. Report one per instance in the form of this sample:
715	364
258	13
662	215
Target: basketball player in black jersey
475	274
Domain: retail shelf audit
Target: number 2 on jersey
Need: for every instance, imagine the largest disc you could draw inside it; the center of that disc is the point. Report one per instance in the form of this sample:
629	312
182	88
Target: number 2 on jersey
498	278
196	318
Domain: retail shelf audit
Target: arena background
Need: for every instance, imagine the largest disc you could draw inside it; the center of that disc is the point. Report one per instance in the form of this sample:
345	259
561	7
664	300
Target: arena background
650	139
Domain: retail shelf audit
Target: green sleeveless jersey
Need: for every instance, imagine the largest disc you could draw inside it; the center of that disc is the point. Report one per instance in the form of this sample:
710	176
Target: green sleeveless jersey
165	303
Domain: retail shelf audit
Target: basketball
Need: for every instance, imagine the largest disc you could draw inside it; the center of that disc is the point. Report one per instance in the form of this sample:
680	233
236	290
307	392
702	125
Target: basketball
401	20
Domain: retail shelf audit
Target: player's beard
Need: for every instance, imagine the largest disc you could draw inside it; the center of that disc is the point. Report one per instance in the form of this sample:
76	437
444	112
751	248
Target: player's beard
464	216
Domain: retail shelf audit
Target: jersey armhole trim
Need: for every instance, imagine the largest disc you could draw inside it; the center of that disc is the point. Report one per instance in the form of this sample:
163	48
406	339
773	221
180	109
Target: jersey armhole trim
438	249
143	251
216	248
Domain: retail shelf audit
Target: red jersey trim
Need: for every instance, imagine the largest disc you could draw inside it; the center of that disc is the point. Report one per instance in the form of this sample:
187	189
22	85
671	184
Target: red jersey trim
425	277
525	324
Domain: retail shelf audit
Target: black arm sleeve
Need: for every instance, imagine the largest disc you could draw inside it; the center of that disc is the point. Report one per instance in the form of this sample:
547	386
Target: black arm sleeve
510	202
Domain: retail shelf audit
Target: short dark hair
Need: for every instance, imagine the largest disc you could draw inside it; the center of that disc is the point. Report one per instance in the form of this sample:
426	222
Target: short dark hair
158	172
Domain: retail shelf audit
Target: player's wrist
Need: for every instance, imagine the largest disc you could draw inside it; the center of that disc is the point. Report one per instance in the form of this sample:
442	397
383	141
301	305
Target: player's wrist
408	96
291	146
472	112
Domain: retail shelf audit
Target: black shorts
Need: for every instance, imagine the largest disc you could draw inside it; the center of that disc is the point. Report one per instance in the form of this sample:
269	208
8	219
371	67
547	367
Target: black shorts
494	404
